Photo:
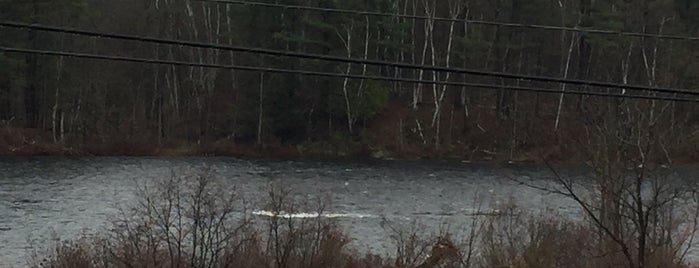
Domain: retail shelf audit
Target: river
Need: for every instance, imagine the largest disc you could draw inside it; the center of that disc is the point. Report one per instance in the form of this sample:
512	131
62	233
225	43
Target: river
45	199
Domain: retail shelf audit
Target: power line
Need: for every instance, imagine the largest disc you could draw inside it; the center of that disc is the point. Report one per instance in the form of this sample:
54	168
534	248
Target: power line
334	75
482	22
347	60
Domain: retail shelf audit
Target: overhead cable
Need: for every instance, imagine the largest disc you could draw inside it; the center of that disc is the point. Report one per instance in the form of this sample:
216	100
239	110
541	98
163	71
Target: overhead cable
338	75
472	21
303	55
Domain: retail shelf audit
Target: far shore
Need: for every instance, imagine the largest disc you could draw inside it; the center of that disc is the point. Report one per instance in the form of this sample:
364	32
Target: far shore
255	151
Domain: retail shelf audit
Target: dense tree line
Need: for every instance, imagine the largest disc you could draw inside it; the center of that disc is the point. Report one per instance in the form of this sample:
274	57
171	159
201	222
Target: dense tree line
84	101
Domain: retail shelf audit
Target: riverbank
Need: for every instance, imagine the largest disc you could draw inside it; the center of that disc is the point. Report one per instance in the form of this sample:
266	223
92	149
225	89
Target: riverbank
35	143
32	142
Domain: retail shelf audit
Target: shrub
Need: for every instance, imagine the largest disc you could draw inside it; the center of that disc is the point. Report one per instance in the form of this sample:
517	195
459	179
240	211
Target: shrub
200	221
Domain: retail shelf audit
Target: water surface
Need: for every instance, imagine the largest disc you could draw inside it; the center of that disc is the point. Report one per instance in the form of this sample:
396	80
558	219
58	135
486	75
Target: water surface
47	198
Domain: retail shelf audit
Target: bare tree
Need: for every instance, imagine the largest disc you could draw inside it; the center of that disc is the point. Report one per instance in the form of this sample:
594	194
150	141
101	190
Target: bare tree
347	41
638	212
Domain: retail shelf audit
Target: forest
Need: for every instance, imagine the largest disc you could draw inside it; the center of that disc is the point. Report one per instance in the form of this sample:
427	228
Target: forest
54	104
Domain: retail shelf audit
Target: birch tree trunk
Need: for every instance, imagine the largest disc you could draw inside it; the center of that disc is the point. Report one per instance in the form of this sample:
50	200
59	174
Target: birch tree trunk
564	85
651	66
347	41
430	12
366	55
454	11
417	93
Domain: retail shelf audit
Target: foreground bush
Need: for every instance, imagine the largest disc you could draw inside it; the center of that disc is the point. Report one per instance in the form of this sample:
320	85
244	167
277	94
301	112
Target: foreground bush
198	221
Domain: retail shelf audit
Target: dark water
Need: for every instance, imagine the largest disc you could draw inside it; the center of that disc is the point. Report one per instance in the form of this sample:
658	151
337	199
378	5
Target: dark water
43	199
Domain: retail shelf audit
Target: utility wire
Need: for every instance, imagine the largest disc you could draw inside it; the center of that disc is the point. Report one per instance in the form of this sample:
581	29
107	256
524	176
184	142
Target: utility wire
335	75
482	22
347	60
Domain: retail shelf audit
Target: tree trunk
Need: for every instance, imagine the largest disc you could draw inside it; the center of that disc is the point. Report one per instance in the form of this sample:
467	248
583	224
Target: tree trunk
564	85
366	56
259	118
231	56
59	71
347	40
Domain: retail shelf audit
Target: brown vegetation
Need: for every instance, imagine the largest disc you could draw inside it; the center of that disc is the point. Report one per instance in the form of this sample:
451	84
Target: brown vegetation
199	221
381	141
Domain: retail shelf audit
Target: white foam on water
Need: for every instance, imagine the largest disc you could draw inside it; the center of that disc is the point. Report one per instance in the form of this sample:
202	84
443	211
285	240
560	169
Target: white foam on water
305	215
482	212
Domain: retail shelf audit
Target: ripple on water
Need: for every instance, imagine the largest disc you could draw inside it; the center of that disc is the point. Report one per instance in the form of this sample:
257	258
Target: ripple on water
46	197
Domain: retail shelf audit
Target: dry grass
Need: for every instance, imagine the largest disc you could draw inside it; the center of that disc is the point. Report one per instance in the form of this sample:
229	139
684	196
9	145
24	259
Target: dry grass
198	221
